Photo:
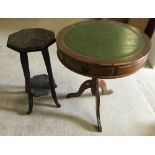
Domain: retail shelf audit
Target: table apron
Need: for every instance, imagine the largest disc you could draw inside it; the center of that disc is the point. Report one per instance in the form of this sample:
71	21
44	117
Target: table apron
97	70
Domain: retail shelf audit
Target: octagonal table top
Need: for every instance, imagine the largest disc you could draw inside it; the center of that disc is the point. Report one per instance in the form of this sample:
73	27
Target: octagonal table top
29	40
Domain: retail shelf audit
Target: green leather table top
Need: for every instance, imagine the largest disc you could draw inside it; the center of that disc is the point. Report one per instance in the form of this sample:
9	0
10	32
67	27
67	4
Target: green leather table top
103	40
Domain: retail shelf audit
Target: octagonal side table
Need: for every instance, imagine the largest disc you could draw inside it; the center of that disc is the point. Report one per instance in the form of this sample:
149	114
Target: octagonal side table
32	40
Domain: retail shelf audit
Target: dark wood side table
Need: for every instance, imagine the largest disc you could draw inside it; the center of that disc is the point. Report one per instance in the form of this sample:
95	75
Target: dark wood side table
101	50
32	40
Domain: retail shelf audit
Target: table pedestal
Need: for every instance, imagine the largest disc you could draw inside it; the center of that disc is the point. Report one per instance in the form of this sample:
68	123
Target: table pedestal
94	84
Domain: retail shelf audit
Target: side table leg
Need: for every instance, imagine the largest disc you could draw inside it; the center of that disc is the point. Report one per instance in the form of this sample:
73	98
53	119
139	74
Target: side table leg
30	103
85	85
46	57
95	88
21	60
103	86
25	66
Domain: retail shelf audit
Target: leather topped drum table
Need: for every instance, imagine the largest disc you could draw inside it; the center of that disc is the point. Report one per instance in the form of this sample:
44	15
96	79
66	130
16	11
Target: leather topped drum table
101	50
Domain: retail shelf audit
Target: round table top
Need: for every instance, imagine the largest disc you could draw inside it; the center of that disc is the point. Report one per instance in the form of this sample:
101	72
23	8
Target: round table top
103	42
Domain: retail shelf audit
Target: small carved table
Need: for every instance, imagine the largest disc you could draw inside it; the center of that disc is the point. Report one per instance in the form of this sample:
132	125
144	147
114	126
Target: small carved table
32	40
101	50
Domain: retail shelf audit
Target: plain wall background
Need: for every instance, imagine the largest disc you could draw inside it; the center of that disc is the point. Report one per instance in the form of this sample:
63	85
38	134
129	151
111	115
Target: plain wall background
55	24
152	52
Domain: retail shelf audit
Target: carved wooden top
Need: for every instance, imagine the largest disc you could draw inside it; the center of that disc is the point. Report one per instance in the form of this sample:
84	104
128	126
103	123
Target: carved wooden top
29	40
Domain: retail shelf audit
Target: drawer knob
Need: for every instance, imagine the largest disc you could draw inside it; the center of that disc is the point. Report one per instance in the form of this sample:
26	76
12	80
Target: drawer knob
85	70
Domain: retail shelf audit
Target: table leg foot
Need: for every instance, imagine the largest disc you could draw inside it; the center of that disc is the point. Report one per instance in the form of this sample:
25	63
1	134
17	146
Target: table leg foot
99	128
30	104
103	86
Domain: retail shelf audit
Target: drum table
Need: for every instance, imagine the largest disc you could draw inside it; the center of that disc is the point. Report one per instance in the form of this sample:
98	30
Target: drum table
101	50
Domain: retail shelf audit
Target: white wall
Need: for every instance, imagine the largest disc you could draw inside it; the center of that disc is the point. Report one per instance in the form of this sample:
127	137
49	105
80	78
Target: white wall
152	52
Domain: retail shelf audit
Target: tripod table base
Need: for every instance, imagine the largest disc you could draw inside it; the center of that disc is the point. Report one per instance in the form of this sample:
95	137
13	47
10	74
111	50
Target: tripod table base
94	85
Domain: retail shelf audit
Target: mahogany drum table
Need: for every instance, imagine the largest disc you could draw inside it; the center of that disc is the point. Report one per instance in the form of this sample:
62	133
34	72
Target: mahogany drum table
101	50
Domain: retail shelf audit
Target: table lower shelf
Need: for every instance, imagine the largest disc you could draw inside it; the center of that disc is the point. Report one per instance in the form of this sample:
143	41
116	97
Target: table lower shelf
40	85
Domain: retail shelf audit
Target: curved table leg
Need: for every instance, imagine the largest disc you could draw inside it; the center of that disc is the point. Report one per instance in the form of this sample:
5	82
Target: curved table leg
47	61
95	89
103	86
87	84
97	96
30	104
